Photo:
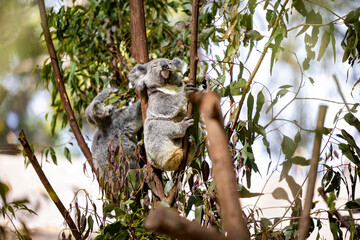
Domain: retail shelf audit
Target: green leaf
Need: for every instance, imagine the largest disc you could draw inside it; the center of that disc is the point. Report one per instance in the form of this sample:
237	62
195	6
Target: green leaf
250	106
353	205
244	193
280	193
295	188
300	161
333	43
288	147
346	150
252	5
53	155
108	208
198	213
300	7
260	100
67	154
352	120
72	71
4	189
324	44
168	186
311	80
351	141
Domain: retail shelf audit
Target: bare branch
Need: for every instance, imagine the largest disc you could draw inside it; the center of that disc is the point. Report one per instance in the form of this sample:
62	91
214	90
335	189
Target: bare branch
49	189
61	88
304	222
167	221
223	167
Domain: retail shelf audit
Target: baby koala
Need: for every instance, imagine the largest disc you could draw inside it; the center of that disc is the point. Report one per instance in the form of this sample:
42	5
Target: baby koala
115	127
165	124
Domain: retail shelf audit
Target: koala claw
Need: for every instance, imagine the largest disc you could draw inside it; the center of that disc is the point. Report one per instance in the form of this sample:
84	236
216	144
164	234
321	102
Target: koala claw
190	88
188	121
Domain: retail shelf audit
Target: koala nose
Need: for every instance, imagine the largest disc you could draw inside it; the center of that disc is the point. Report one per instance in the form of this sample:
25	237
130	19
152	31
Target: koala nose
164	65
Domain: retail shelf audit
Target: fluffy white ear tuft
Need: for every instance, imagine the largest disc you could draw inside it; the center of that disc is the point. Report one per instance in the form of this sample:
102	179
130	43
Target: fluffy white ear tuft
180	64
136	76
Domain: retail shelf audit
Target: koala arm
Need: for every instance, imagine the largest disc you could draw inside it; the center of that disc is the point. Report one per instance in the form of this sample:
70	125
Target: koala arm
96	111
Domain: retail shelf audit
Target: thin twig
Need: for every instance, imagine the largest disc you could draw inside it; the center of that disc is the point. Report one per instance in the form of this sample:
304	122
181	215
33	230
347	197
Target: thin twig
61	88
340	92
304	222
49	189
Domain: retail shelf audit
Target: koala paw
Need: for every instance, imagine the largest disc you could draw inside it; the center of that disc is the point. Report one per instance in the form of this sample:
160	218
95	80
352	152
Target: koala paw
187	122
190	88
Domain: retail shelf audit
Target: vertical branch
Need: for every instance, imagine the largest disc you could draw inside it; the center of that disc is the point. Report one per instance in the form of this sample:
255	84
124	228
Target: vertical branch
305	215
139	51
223	167
61	88
192	79
51	192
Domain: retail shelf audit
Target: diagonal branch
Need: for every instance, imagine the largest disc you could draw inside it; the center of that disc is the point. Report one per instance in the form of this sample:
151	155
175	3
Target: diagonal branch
304	222
61	88
49	189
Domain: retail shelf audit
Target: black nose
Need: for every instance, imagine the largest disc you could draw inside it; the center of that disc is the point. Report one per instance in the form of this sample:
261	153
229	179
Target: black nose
164	65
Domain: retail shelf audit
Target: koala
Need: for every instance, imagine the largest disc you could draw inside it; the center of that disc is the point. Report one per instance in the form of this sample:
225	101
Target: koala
114	127
165	124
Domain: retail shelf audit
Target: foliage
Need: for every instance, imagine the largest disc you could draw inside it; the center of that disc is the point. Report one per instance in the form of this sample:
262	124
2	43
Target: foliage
93	45
8	210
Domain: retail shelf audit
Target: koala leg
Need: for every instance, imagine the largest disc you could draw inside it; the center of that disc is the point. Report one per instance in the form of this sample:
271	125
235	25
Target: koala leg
163	142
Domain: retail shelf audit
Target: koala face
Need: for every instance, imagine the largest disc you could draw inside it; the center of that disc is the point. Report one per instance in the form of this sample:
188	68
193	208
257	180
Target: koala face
157	73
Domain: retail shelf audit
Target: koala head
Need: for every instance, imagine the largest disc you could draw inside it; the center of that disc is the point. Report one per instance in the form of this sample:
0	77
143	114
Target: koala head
157	73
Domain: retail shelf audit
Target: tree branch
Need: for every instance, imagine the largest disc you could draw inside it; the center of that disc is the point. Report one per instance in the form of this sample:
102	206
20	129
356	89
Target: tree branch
192	79
49	189
167	221
304	222
139	51
223	167
61	88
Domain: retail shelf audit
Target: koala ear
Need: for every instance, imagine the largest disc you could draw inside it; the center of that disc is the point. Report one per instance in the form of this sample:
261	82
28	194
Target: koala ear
180	64
136	76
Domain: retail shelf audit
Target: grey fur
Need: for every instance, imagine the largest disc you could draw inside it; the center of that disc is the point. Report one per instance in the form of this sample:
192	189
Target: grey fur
114	126
165	124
